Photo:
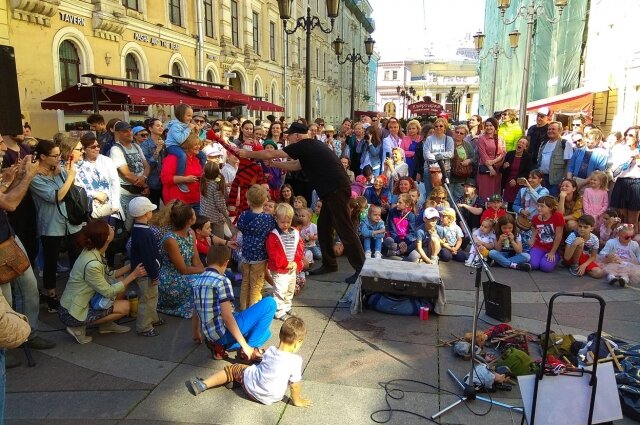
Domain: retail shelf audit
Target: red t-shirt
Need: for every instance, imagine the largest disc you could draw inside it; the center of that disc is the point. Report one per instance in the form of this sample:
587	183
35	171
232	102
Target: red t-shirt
170	190
546	230
492	214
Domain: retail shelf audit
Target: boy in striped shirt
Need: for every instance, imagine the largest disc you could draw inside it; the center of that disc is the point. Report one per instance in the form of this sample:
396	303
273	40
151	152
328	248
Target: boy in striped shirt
285	250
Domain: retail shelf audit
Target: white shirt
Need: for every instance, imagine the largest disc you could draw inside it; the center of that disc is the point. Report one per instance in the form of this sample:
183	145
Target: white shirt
267	381
626	253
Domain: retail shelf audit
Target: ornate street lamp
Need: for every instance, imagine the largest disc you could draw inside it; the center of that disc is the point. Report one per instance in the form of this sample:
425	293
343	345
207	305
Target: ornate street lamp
353	57
531	12
307	23
495	51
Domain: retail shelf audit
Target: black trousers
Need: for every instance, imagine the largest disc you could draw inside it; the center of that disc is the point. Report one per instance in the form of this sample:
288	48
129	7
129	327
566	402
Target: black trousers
51	247
334	215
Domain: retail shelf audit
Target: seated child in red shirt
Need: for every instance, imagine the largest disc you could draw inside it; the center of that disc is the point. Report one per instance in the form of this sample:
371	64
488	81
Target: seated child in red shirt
495	209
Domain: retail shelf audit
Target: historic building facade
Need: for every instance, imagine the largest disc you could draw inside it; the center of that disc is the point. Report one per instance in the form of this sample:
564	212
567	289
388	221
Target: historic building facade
240	43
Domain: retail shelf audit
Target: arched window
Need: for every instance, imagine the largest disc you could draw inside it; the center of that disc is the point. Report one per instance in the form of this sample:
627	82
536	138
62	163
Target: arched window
176	70
274	97
132	70
69	64
210	76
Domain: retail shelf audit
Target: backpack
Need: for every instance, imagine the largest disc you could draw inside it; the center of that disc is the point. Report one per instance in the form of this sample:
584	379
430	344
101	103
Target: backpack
79	206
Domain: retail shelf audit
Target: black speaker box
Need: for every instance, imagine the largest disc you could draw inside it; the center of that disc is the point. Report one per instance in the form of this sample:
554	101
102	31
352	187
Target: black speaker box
10	115
497	300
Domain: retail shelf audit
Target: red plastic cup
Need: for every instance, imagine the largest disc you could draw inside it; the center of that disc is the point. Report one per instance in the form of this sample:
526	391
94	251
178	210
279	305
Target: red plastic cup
424	313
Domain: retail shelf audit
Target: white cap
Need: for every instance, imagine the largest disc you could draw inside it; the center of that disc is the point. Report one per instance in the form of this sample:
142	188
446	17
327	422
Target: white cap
139	206
215	149
431	213
544	111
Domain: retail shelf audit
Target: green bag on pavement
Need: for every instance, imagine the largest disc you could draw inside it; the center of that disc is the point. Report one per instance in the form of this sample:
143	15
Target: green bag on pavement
518	361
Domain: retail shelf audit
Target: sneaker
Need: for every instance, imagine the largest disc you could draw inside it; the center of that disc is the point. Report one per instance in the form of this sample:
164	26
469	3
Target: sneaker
377	254
183	188
113	327
150	333
613	280
52	304
623	281
573	269
435	259
292	312
39	343
284	317
525	267
79	333
196	386
367	254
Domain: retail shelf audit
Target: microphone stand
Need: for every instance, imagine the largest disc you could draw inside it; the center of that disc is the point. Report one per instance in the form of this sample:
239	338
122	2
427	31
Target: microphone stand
469	391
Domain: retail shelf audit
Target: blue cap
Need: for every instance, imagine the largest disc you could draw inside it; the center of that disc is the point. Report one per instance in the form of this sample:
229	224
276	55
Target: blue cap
137	129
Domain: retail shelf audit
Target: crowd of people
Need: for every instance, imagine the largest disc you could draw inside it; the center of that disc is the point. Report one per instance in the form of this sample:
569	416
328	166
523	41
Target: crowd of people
197	203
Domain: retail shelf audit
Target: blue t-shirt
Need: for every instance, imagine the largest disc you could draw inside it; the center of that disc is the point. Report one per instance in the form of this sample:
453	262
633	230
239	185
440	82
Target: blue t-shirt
255	228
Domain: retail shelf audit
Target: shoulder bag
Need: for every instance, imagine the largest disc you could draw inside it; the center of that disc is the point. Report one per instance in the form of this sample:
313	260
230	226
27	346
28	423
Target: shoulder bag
13	260
457	169
79	207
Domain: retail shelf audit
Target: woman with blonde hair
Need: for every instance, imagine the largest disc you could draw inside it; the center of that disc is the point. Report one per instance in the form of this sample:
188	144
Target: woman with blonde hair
510	130
410	144
438	146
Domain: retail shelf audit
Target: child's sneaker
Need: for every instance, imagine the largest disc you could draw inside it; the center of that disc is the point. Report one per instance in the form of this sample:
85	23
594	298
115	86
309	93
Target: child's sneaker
622	280
196	386
377	254
183	188
573	269
367	254
612	279
525	267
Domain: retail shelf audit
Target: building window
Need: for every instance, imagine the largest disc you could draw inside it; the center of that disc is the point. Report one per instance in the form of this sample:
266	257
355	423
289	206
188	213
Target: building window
256	33
274	98
234	23
176	70
437	97
208	18
69	64
132	69
317	63
256	88
386	75
174	12
131	4
209	76
394	75
272	40
299	52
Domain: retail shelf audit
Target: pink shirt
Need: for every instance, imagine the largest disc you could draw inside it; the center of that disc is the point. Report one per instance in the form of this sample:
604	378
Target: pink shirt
595	202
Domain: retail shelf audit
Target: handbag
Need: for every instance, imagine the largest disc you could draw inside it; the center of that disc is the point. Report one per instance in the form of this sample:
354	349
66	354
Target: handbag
13	260
483	169
78	205
497	299
458	170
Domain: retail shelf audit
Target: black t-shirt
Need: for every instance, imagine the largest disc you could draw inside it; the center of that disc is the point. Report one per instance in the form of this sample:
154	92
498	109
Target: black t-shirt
537	137
320	164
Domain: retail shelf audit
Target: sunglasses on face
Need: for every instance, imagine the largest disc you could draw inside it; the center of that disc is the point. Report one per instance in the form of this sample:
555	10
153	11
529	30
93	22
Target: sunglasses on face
199	121
143	134
462	133
439	126
93	147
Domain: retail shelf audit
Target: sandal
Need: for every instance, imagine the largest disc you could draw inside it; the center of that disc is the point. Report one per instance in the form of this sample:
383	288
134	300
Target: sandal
256	356
160	322
218	351
151	332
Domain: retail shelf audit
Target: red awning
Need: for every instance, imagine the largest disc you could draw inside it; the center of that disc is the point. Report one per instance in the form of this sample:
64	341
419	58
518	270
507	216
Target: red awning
224	97
578	101
114	98
261	105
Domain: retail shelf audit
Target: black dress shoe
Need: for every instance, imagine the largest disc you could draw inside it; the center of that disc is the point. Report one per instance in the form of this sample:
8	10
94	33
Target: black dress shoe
322	270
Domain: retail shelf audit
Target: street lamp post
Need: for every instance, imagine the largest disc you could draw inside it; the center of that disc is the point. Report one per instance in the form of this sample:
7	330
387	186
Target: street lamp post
308	23
354	58
531	12
406	94
495	51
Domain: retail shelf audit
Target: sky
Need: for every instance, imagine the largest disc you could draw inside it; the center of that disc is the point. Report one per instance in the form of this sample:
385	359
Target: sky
406	29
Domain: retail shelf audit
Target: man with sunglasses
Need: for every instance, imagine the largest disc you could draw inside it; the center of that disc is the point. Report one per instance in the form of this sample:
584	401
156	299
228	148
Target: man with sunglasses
537	133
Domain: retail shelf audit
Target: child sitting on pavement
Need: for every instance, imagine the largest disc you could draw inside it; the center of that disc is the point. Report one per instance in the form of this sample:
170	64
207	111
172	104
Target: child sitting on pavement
495	209
223	328
450	235
620	258
485	240
372	232
508	251
428	242
267	381
581	249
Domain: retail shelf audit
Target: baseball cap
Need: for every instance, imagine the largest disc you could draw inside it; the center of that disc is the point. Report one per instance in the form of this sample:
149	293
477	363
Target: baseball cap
470	183
297	128
431	213
544	111
137	129
213	150
122	126
140	205
495	198
199	115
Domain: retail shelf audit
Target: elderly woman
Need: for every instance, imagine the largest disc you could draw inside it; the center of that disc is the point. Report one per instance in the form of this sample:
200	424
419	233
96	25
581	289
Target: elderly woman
191	177
410	144
517	164
48	189
462	164
98	175
435	147
180	263
395	167
87	278
491	153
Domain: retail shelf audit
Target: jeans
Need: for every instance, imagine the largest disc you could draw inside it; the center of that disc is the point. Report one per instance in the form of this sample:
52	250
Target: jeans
25	288
254	324
539	261
446	256
377	244
554	189
182	158
505	261
3	384
315	250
